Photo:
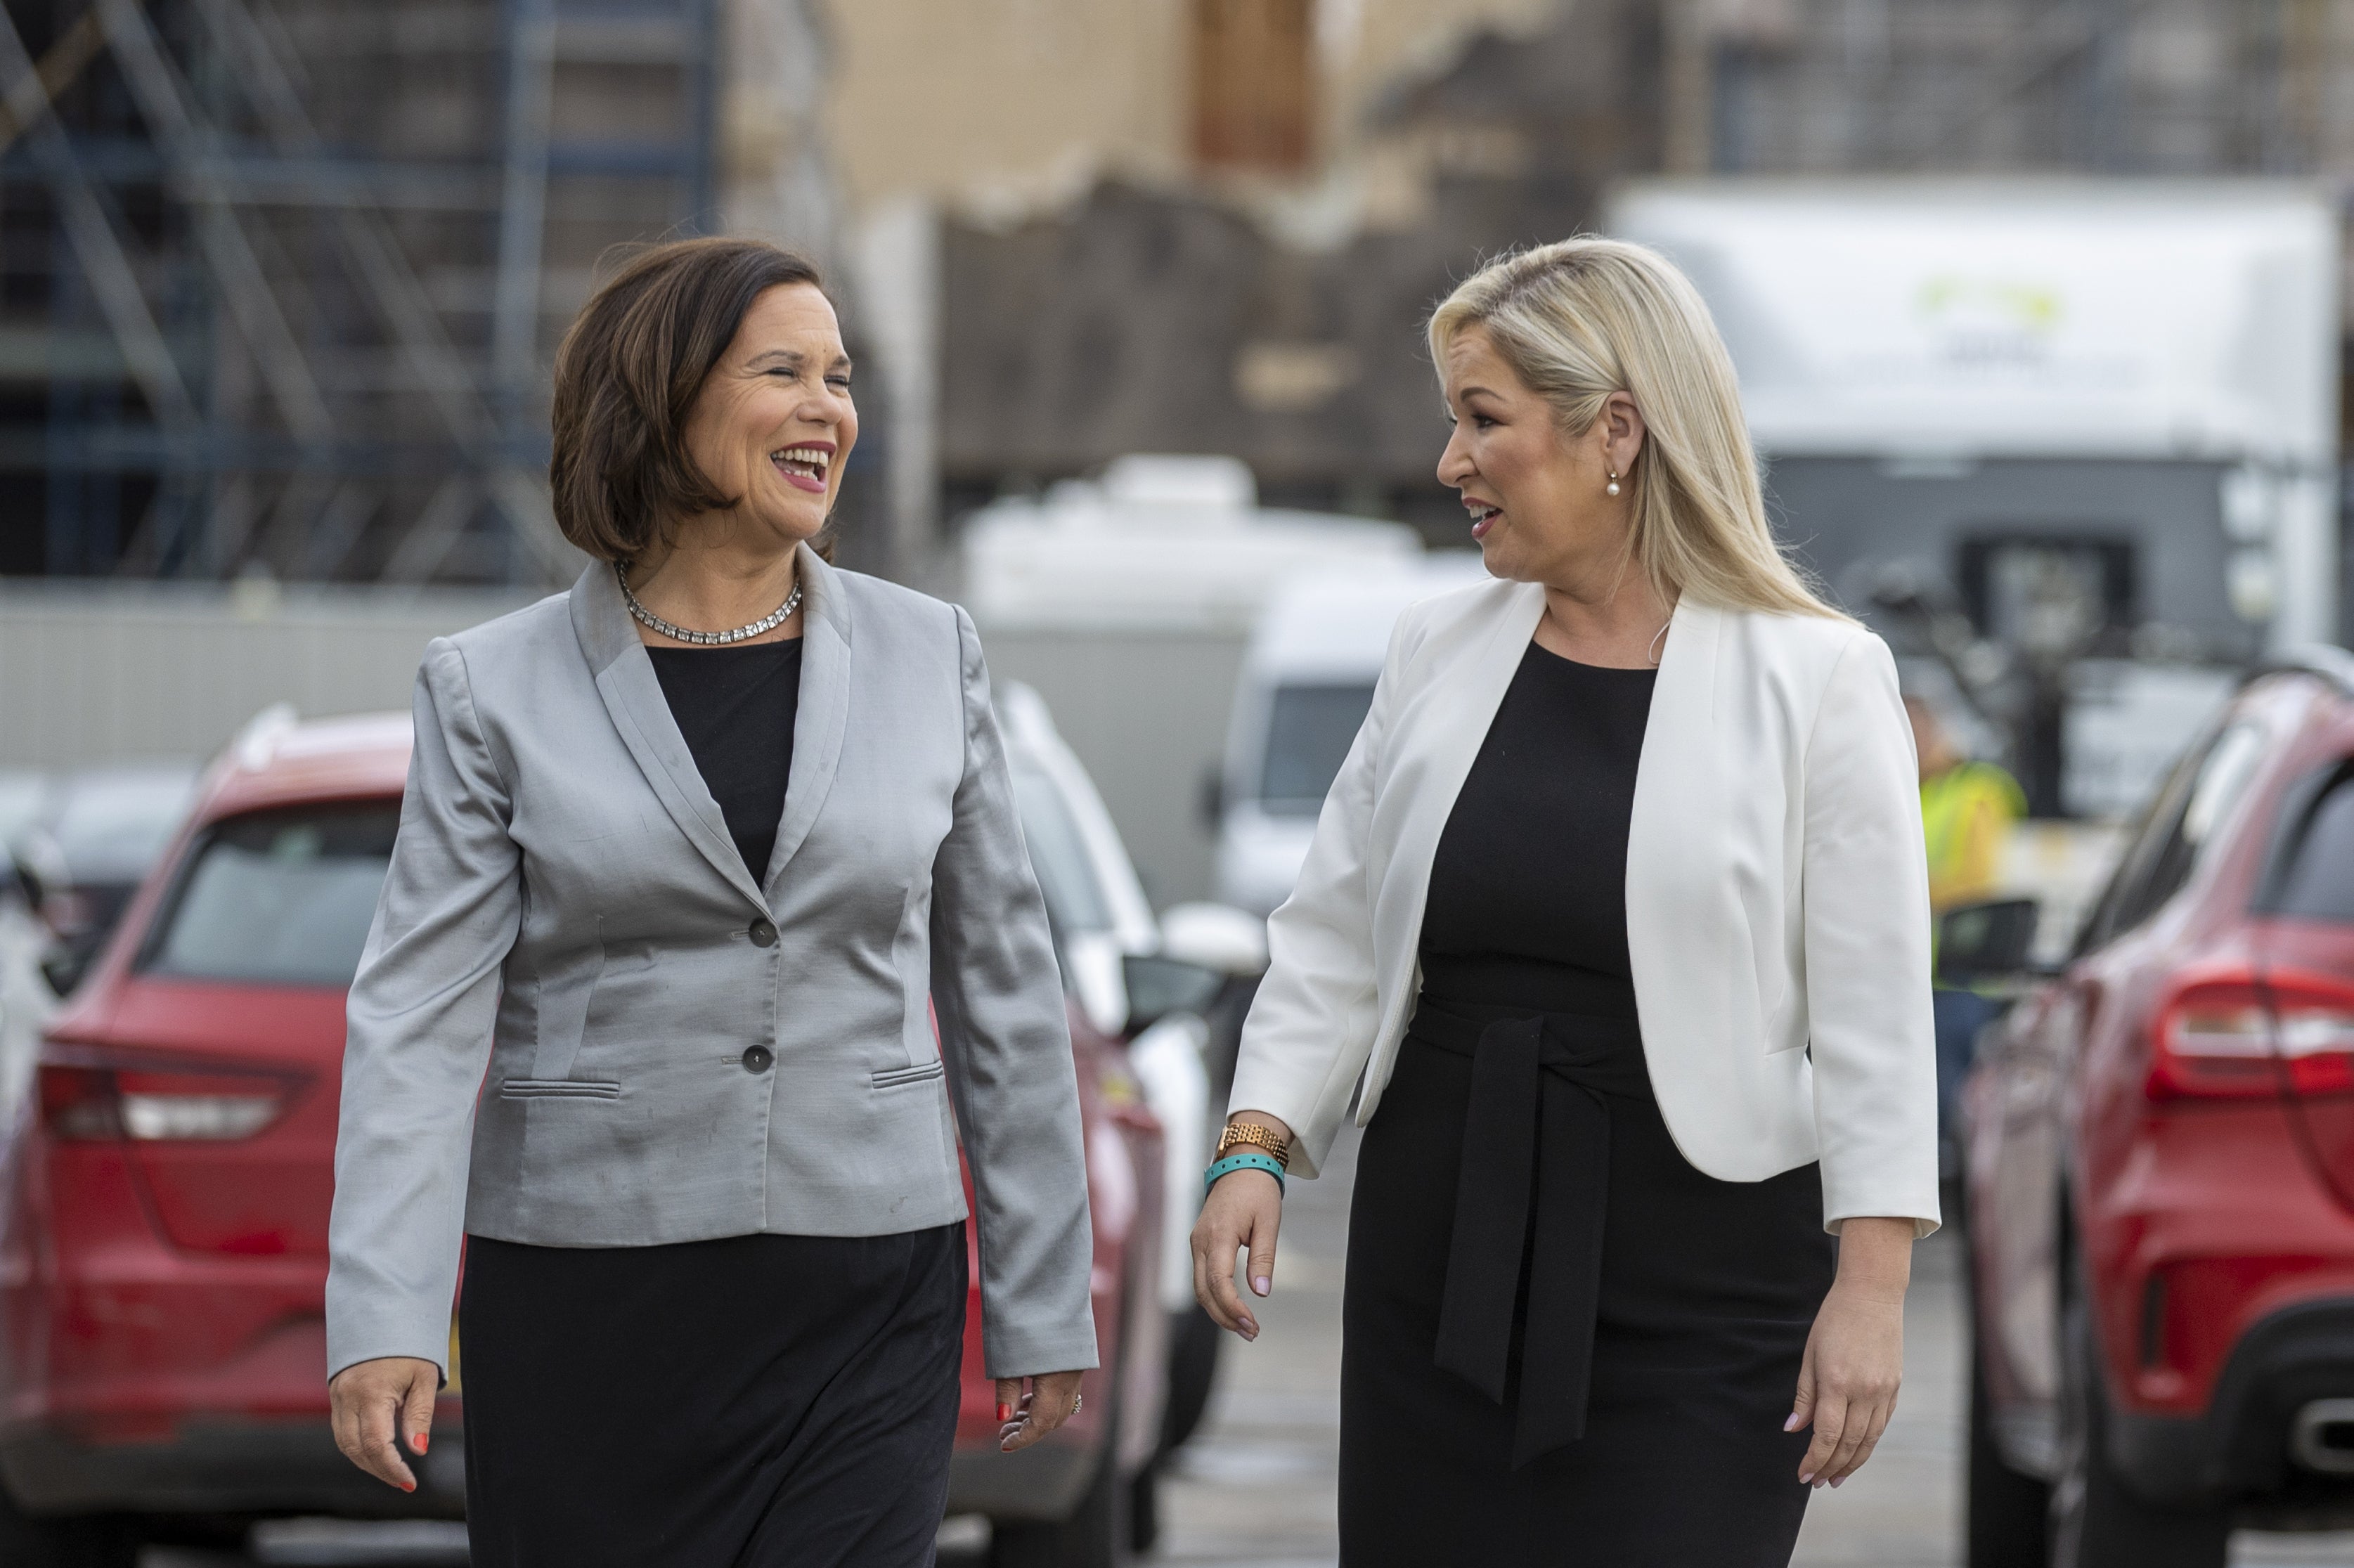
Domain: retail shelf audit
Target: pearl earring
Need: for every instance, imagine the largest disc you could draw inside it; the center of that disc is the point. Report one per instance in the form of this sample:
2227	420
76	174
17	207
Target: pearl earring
1612	488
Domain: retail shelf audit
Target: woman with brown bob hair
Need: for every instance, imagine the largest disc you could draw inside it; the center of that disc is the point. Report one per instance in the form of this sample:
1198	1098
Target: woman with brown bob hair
688	858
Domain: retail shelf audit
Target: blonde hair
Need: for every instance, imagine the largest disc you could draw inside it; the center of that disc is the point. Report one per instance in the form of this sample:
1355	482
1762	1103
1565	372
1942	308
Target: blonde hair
1582	318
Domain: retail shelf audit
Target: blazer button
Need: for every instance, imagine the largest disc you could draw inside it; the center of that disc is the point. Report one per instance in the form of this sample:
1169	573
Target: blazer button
759	1059
764	935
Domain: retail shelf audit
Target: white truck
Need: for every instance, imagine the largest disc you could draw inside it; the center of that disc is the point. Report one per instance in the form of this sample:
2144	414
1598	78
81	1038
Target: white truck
2097	417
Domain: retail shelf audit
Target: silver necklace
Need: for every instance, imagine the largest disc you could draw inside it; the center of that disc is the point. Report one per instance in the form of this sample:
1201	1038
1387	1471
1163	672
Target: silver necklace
647	617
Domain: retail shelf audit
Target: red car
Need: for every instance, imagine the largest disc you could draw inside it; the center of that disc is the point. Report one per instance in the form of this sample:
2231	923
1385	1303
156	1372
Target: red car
2159	1170
169	1174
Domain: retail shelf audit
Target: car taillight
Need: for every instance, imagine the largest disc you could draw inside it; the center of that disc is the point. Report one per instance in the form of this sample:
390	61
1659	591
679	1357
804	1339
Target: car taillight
2244	1035
83	1103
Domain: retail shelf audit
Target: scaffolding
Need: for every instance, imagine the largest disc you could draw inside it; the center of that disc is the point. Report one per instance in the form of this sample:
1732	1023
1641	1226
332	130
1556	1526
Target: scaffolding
279	279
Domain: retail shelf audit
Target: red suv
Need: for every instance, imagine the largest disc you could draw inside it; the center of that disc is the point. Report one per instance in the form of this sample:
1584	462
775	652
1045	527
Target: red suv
163	1352
2160	1170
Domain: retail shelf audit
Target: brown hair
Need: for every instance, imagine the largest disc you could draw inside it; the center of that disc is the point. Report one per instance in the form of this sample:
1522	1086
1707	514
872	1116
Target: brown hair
627	376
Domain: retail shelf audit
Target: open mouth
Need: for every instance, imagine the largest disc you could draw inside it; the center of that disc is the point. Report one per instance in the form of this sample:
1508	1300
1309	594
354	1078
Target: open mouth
1483	517
804	468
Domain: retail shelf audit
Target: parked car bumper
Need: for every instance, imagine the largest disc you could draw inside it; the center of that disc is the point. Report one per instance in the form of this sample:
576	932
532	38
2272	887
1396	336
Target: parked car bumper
220	1466
2240	1448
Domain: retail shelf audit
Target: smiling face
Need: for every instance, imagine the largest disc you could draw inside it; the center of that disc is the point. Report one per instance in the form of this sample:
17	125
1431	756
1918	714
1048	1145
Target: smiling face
1538	501
774	423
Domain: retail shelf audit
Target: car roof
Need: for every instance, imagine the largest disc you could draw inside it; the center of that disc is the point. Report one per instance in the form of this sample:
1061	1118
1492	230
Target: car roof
1337	624
279	760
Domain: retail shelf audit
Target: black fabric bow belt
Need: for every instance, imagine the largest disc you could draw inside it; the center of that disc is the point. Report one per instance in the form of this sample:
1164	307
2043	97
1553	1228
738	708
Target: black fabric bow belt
1537	1132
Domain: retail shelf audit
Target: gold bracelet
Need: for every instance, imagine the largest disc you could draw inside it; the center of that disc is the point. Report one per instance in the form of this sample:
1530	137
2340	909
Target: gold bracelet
1258	1137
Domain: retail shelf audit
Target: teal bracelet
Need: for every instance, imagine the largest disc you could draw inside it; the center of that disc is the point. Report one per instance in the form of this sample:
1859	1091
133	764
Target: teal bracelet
1243	1160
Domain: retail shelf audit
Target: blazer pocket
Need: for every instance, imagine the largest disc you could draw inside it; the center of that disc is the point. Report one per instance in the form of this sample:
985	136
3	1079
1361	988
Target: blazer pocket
895	1077
1752	985
558	1089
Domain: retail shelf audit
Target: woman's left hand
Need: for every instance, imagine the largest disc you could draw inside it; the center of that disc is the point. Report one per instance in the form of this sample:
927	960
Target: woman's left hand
1855	1354
1053	1399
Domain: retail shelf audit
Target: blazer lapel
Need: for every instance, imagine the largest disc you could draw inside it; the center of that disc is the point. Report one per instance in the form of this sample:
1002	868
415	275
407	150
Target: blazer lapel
633	697
824	711
1676	843
1440	737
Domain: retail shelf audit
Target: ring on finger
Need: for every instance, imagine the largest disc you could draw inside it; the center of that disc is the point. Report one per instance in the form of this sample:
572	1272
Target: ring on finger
1077	1400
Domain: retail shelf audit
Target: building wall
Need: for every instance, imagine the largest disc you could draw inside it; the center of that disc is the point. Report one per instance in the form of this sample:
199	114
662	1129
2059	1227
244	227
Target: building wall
1001	107
999	100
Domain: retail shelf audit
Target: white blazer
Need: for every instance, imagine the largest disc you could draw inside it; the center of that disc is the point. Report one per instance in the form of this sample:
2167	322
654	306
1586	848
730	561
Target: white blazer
1777	898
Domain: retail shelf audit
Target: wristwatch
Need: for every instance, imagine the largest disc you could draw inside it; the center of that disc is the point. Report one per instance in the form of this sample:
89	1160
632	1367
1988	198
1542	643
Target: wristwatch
1250	1134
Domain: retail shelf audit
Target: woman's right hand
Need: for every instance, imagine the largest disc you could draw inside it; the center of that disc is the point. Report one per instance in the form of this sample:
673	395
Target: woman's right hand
1243	1212
378	1403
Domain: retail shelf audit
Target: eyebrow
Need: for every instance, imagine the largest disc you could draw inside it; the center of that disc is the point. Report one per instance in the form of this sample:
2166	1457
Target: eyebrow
794	357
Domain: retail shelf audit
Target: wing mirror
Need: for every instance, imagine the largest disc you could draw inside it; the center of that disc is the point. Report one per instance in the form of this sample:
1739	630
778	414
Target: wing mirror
1989	941
1159	985
1210	796
64	965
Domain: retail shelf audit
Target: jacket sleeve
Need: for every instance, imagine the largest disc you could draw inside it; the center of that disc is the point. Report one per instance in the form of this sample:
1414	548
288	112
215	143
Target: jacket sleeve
997	992
1865	887
1311	1026
418	1036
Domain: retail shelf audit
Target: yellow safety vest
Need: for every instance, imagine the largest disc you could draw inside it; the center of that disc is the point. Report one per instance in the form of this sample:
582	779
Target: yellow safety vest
1965	814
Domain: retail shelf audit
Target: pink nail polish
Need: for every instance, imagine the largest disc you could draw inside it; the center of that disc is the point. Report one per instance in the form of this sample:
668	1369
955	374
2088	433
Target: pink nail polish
1260	1284
1791	1425
1806	1477
1835	1485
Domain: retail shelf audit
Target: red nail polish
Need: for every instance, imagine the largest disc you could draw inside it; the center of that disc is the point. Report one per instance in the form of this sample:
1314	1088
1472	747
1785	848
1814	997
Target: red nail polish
423	1439
1004	1412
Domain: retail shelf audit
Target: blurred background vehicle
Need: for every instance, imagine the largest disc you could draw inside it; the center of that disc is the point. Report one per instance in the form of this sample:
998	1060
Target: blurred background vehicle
1307	681
1165	995
2161	1172
168	1180
85	848
21	792
1156	540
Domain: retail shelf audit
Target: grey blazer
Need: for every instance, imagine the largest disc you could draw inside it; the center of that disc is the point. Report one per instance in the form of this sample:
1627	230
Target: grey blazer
571	966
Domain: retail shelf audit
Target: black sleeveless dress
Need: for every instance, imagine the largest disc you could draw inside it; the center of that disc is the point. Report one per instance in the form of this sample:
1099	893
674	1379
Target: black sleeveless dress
1561	1343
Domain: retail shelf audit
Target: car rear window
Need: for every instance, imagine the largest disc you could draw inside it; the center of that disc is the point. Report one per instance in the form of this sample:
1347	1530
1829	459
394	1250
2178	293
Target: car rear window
2317	881
279	898
1310	729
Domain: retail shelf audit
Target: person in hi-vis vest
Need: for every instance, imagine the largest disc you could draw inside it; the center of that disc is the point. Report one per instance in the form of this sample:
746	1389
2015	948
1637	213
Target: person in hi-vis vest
1968	811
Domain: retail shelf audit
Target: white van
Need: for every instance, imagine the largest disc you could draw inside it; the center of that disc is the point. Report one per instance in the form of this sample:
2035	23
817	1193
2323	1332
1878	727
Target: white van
1305	687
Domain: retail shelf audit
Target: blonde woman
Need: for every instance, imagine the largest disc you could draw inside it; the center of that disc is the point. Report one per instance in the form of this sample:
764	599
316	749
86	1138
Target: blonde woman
1614	936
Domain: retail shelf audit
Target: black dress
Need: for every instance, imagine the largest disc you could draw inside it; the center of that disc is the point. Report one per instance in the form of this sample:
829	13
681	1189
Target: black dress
749	1402
1561	1343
